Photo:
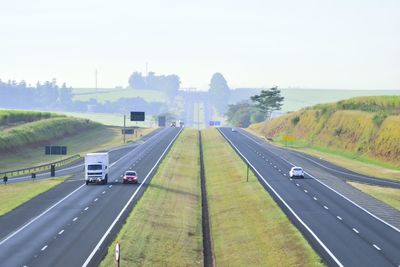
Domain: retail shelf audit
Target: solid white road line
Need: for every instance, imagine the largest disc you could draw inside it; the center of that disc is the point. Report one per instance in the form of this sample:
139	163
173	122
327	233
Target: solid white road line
287	205
355	230
40	215
96	248
44	248
340	194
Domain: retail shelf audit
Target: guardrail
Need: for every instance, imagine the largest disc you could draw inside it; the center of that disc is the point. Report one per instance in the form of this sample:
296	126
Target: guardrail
40	168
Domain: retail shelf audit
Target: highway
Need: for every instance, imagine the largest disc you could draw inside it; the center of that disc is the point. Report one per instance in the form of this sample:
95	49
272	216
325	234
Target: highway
328	212
73	224
78	166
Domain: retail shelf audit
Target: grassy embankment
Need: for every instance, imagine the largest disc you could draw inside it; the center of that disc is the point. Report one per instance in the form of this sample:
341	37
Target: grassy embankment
361	134
22	141
390	196
248	228
164	228
14	195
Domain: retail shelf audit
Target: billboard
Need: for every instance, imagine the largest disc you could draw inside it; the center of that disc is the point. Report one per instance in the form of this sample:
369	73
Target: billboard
55	150
137	116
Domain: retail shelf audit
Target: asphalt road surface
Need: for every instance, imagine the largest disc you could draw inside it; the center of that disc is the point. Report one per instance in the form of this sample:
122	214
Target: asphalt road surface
343	232
73	224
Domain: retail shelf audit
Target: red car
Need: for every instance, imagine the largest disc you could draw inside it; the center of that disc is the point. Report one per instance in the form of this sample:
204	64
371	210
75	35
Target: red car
130	177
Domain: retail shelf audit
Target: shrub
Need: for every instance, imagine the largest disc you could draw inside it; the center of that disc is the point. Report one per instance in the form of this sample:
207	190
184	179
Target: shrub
379	118
338	131
295	120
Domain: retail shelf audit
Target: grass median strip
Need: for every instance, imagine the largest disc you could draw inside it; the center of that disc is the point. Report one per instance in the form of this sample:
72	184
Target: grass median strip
15	194
164	228
390	196
247	226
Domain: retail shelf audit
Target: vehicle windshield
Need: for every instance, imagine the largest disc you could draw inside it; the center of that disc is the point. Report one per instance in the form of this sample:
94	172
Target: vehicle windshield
130	173
298	169
94	167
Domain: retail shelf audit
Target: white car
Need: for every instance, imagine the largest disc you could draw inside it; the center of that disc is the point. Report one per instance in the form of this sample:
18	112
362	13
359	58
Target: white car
233	130
296	172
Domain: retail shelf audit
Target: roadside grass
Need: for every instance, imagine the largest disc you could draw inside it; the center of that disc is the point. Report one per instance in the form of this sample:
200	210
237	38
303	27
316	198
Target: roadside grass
247	227
113	94
91	140
164	228
15	194
346	160
390	196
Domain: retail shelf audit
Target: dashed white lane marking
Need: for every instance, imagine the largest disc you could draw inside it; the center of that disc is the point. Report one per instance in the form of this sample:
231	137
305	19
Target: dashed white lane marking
103	192
96	199
275	167
44	248
375	246
340	218
305	191
279	170
270	163
76	218
315	198
121	175
62	231
285	175
355	230
297	184
86	208
110	186
325	207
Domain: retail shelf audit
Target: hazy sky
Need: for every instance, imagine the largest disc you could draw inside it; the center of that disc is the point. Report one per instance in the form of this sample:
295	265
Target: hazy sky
309	43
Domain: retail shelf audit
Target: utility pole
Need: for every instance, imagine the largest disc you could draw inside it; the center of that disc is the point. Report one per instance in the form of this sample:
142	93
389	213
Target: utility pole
124	126
95	82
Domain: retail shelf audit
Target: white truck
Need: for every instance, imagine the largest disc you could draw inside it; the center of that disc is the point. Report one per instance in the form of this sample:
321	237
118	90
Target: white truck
96	168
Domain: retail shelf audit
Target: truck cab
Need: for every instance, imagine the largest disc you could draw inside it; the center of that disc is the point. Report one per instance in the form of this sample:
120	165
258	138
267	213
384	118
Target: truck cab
96	168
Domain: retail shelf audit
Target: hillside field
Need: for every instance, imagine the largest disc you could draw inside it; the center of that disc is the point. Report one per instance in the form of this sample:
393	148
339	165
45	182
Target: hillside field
365	128
113	94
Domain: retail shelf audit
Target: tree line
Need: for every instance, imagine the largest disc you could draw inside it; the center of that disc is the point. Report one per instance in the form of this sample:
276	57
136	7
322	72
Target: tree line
43	95
50	96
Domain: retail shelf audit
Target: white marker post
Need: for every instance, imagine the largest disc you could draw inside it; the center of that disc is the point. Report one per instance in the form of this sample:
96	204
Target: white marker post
117	254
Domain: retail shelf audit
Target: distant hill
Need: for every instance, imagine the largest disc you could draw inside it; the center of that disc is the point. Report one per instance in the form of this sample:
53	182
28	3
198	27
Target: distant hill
297	98
362	126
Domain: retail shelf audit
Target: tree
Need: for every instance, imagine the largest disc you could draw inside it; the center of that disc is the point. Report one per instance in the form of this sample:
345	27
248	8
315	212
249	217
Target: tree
243	113
137	81
171	85
219	92
65	96
268	101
